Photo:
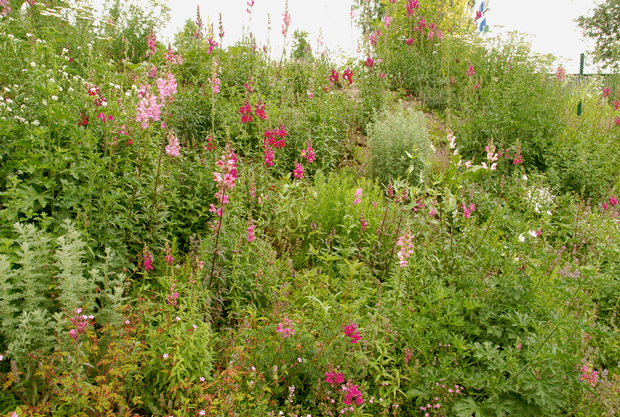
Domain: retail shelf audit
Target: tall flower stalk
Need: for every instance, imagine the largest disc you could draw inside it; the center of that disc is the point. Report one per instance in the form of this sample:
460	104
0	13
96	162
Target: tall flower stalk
225	178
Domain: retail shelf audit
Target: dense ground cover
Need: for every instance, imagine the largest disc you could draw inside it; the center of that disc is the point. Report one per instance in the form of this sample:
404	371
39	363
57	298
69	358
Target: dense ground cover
198	231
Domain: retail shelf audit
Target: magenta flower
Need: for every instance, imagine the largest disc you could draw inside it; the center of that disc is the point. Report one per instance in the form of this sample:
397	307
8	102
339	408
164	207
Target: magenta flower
298	172
308	153
369	62
411	6
560	73
152	41
470	70
467	211
269	154
350	331
353	392
410	41
348	75
333	78
613	200
251	236
105	118
606	92
260	111
246	112
286	328
146	256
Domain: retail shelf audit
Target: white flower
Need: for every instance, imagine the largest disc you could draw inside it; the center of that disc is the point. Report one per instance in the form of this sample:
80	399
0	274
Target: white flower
127	94
521	238
33	64
9	101
64	50
549	212
36	123
7	89
52	81
493	166
55	98
8	109
70	89
104	104
44	102
11	36
532	233
525	177
60	88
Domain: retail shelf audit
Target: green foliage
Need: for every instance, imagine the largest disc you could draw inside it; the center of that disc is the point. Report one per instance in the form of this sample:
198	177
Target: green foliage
129	24
485	287
301	47
39	294
399	146
603	27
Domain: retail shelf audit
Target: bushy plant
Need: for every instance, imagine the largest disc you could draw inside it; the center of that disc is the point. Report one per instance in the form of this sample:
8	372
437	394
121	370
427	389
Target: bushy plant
399	146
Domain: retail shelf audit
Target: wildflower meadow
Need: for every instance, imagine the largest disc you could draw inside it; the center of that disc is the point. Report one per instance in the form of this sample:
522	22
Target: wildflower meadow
192	229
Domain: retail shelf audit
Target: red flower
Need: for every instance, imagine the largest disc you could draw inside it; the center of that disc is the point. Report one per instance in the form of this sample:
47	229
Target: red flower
84	121
334	77
348	75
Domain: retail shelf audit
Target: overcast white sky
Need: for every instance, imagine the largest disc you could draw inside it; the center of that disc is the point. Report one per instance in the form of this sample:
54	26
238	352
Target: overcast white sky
550	22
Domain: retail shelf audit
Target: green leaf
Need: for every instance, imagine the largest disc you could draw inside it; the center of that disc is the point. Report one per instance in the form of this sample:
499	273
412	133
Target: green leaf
467	407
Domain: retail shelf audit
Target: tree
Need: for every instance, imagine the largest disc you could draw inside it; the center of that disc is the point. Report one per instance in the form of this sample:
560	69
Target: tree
604	27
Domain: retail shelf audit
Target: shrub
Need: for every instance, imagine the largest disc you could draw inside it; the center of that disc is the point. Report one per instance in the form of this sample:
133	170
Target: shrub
399	146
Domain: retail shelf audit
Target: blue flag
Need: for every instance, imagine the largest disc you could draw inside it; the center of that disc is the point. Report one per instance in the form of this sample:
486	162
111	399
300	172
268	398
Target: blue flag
483	24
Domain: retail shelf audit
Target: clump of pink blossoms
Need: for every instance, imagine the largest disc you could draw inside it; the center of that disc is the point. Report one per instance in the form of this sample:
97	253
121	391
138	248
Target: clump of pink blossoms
173	148
468	211
406	248
225	178
350	331
298	172
358	196
286	328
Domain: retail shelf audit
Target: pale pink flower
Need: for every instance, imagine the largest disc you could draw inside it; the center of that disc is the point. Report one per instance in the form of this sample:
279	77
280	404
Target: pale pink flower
358	195
406	248
173	148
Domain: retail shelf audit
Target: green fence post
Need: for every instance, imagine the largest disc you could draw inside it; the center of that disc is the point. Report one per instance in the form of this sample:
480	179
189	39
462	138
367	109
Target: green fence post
581	62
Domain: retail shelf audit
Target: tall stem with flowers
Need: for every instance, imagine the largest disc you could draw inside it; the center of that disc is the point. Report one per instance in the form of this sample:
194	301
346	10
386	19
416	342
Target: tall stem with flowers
225	178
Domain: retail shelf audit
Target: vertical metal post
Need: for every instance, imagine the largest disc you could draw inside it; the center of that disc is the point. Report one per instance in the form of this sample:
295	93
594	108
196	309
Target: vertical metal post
581	62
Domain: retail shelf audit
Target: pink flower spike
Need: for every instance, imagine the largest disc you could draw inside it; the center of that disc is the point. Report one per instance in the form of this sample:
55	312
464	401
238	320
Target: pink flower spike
298	172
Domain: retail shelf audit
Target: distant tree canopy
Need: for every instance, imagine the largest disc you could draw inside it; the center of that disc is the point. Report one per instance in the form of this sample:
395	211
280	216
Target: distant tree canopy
604	27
